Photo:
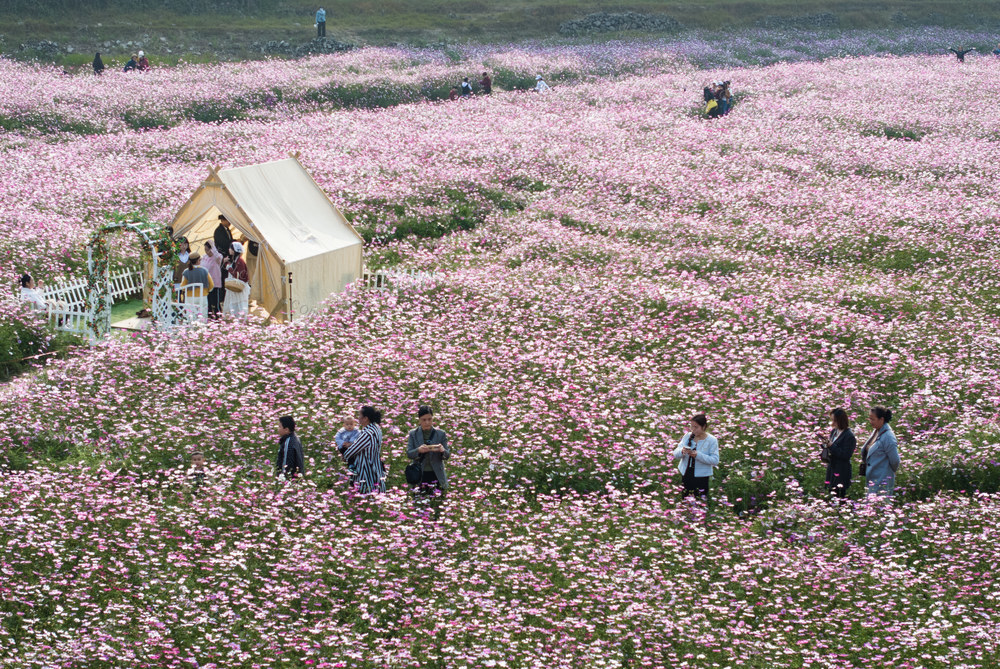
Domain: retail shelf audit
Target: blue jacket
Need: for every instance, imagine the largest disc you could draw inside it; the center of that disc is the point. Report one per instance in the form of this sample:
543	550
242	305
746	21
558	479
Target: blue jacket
321	16
882	463
705	461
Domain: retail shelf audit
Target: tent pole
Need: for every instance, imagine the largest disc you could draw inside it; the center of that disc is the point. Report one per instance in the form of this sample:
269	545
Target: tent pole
290	311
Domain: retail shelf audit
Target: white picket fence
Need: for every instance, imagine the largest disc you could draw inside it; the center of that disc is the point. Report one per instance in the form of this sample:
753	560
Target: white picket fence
67	298
383	279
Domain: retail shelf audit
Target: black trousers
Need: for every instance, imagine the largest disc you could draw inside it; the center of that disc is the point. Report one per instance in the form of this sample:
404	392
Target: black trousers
213	302
321	29
695	485
429	482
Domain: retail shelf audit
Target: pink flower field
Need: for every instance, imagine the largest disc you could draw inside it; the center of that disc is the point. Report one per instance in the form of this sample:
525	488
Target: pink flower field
614	264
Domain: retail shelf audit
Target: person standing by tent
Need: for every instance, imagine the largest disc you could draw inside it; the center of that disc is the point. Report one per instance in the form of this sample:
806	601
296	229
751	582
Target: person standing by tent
321	23
212	262
223	239
98	64
237	286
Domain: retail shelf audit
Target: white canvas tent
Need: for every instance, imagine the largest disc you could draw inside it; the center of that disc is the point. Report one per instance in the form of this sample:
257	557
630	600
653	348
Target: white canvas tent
300	231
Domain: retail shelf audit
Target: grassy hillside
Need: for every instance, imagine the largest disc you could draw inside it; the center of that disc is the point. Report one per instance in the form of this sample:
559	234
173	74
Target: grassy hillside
227	29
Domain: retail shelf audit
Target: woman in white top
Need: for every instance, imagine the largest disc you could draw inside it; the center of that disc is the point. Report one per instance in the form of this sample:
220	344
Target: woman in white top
31	293
698	452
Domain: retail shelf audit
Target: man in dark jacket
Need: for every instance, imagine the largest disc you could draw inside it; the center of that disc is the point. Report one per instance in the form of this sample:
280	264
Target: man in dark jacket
223	238
289	462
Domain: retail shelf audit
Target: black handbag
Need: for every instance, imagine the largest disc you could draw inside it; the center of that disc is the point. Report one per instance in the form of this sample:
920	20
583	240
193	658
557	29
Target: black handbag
415	471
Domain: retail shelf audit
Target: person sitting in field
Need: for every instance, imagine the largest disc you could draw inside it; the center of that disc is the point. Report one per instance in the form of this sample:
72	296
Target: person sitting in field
540	85
996	51
466	87
131	64
31	293
143	62
453	93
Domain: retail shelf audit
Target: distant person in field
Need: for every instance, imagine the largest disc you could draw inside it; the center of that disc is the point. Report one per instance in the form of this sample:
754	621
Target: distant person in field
321	23
698	452
486	84
466	87
725	98
143	62
960	53
453	93
540	85
712	109
132	63
996	51
98	63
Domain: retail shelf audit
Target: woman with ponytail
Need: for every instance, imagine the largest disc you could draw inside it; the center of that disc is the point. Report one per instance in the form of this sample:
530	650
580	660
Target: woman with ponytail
880	455
365	453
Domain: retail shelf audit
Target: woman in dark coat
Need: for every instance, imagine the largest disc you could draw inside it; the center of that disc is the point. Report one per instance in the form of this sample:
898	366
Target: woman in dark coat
98	63
429	446
840	447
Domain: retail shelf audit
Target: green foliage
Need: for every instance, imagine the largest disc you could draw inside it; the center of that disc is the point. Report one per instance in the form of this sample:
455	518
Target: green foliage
895	132
24	339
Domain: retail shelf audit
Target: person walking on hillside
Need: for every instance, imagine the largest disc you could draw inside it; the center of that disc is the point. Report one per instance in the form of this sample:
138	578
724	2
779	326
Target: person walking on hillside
486	84
321	23
98	63
880	455
837	454
698	452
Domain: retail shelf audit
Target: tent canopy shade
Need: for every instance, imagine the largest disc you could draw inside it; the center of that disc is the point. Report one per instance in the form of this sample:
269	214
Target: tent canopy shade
279	206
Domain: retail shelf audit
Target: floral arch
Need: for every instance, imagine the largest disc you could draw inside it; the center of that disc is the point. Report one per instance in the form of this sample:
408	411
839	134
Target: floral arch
158	255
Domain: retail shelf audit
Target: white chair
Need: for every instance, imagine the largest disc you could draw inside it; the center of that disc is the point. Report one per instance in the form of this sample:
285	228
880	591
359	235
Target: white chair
192	301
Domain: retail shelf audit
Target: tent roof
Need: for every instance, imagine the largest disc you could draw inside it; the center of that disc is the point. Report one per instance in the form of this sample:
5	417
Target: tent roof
292	213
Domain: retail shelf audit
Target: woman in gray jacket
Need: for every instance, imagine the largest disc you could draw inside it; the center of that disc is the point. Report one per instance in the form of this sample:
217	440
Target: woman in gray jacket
429	446
880	454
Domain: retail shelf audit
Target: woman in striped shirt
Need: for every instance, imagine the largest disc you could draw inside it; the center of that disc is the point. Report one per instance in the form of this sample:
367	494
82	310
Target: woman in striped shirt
366	452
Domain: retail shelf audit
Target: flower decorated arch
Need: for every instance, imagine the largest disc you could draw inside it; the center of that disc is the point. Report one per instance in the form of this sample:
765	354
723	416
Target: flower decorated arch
158	255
